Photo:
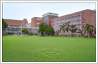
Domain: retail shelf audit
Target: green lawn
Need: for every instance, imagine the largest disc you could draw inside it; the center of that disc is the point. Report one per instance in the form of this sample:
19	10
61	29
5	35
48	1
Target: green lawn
37	48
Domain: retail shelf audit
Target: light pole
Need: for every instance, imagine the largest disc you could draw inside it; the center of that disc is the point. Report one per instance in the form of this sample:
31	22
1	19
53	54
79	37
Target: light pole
21	28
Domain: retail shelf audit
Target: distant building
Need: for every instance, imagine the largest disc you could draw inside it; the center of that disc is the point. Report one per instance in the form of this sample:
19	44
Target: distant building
48	18
15	26
78	18
35	21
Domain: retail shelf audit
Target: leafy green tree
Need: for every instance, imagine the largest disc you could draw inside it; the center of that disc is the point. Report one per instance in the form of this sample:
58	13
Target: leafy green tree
44	29
49	30
4	24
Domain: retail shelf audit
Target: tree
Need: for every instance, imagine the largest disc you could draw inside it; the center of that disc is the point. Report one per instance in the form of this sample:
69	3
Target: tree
80	31
25	31
62	27
49	30
65	27
72	29
89	30
44	29
4	24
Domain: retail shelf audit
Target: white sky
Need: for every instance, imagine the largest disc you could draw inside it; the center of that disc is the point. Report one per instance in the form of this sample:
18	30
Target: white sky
29	10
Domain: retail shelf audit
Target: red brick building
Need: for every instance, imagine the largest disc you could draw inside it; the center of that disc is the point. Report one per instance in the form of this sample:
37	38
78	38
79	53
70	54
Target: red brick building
15	26
35	21
77	18
89	17
48	18
52	19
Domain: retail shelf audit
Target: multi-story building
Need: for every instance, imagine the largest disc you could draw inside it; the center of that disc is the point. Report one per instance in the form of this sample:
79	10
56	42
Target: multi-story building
15	26
78	18
35	21
48	18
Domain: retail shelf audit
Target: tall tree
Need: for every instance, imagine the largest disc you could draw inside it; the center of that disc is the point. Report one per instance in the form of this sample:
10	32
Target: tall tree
89	30
72	29
44	29
65	27
49	30
4	24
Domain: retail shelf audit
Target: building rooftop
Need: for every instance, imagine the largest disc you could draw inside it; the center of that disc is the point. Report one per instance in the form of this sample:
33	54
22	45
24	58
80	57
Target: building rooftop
50	14
13	22
75	13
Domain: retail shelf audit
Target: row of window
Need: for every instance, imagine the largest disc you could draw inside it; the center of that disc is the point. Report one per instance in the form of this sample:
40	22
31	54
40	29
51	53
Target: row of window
14	29
72	16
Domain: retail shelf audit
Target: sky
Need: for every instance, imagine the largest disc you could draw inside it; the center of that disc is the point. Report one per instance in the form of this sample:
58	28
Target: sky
29	10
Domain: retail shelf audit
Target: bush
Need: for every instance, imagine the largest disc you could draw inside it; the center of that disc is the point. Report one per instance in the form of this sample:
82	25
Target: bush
25	31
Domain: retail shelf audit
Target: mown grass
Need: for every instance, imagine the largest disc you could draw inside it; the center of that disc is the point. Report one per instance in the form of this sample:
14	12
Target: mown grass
37	48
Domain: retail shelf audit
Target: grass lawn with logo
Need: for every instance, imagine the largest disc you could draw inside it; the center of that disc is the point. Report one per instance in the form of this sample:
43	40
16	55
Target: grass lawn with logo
48	48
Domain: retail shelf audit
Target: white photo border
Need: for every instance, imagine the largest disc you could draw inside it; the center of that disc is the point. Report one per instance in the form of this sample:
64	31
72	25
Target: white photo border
47	2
